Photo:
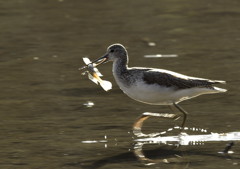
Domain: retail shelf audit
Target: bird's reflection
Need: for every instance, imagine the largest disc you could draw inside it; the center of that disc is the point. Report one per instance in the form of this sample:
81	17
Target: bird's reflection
184	138
170	147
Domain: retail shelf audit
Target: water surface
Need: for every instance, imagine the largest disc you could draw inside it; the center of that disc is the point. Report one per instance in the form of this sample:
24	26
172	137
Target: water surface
43	116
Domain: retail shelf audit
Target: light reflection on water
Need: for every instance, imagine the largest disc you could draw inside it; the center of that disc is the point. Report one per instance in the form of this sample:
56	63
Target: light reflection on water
175	141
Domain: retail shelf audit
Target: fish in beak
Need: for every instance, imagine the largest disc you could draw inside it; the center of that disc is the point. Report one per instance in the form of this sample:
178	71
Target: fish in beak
93	72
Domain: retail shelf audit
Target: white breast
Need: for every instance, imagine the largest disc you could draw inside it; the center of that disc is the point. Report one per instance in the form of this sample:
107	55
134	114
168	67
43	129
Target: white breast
150	94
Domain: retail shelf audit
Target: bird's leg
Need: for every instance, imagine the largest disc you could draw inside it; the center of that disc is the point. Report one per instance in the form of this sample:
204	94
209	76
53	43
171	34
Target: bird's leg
184	112
137	126
172	109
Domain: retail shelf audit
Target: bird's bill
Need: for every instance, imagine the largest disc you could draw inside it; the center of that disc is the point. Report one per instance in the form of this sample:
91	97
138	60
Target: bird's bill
94	63
100	60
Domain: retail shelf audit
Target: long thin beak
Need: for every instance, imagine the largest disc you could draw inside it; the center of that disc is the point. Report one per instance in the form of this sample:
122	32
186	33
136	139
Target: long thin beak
101	60
96	62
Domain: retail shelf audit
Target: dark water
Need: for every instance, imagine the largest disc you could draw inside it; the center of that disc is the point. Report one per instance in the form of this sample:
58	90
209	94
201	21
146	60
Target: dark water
43	118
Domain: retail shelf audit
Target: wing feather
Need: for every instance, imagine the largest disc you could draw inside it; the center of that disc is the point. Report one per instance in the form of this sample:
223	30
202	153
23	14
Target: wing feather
178	81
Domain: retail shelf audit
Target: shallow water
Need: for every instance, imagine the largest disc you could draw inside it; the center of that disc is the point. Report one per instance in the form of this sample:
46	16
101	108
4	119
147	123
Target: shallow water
43	116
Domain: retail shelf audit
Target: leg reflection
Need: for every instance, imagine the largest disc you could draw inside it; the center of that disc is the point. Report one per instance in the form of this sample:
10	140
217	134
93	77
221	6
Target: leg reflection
137	126
138	151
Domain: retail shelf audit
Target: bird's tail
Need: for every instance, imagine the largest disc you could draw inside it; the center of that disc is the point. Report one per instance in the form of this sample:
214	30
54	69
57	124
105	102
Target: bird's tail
219	90
218	82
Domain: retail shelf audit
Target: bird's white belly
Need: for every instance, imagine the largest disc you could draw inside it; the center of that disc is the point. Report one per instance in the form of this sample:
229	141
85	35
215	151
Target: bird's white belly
150	94
157	95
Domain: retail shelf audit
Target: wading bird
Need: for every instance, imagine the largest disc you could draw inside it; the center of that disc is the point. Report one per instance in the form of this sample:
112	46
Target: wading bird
155	86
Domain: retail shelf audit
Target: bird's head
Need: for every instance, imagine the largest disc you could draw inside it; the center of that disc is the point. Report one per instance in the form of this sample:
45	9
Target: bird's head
114	52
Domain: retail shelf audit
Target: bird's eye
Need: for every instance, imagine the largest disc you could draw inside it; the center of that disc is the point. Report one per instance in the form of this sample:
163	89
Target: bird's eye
111	50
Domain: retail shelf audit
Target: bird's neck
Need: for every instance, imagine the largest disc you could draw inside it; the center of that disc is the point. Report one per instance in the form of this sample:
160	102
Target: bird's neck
120	66
121	73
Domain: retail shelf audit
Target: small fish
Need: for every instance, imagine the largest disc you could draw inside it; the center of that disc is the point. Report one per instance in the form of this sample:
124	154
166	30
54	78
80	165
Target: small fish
94	74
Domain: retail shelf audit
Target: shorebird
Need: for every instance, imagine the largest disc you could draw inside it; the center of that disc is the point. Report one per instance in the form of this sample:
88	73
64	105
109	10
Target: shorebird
155	86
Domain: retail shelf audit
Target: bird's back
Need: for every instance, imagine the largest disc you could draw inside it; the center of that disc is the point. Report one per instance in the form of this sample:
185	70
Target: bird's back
176	80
